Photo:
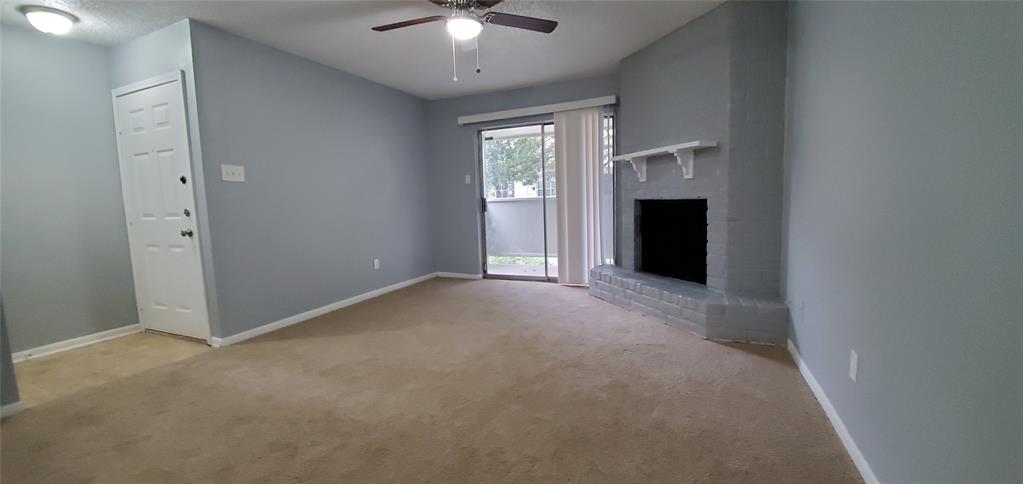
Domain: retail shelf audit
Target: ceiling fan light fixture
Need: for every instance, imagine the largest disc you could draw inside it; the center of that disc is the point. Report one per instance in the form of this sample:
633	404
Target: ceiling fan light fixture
463	27
48	20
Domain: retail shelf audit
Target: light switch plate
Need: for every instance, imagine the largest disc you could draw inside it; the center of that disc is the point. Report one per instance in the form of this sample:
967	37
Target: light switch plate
232	173
468	180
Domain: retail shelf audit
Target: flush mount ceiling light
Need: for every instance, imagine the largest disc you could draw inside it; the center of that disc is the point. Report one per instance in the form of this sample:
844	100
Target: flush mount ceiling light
48	20
464	27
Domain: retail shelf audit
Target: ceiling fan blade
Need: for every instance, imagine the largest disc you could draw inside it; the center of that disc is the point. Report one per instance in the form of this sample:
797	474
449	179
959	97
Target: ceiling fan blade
520	22
409	23
439	3
488	3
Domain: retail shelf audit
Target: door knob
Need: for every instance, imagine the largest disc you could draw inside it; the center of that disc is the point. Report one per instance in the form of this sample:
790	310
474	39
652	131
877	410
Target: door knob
187	233
183	179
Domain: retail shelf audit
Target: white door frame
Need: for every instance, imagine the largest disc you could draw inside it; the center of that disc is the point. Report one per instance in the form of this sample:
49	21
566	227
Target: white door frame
162	79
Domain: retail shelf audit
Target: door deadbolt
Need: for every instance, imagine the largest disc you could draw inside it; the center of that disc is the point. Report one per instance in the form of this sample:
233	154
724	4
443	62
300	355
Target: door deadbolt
187	213
183	179
187	233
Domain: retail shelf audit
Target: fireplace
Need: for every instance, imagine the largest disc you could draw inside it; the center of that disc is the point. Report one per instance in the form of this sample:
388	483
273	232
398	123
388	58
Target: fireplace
698	197
671	238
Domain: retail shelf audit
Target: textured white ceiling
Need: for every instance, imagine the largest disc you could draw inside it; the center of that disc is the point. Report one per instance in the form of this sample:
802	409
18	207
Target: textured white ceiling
592	36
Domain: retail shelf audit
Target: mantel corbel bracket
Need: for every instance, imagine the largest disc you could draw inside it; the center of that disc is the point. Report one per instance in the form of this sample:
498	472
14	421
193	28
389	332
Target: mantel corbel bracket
685	161
639	166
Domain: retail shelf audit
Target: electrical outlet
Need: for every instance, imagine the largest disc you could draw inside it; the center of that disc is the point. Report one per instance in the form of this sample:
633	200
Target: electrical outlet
232	173
468	179
854	365
376	264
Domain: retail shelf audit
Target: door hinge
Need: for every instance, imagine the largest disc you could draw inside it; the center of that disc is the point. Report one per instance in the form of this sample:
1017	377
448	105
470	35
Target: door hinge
483	204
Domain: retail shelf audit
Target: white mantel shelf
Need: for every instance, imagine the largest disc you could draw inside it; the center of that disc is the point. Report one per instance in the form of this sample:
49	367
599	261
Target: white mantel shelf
683	154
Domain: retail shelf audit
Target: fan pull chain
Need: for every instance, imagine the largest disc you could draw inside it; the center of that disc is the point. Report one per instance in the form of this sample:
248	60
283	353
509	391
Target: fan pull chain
477	54
454	62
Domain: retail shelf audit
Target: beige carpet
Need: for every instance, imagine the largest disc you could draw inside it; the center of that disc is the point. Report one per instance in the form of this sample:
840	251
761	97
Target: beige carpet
47	378
446	381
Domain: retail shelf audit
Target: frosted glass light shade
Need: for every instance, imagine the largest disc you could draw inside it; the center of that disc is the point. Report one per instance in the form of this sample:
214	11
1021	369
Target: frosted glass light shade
49	20
464	28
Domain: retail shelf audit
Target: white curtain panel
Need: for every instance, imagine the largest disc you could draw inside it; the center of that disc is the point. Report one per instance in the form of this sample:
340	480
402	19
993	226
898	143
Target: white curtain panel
577	167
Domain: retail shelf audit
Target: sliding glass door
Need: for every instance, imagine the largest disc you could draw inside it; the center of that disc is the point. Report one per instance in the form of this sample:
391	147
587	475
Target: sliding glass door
519	200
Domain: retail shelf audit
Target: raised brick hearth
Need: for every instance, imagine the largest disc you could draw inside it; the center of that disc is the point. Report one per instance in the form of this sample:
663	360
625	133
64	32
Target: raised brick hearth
710	313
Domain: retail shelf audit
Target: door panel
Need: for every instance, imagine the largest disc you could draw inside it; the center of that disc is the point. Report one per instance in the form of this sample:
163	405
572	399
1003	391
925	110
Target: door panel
519	205
156	175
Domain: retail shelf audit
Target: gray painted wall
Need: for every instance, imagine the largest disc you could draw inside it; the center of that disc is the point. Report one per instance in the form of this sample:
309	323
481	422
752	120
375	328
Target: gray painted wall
904	229
151	55
336	175
67	269
452	156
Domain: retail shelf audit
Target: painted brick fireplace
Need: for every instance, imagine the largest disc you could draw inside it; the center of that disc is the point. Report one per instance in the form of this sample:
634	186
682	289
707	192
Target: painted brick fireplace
725	83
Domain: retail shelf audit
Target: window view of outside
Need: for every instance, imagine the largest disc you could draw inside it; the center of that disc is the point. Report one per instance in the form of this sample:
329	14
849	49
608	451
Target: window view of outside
511	163
607	178
519	187
520	200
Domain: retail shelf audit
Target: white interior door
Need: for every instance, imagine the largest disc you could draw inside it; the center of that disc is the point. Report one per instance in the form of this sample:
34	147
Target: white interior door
159	204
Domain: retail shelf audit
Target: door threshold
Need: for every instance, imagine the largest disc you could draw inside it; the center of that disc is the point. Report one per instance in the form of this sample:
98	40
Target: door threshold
520	278
178	336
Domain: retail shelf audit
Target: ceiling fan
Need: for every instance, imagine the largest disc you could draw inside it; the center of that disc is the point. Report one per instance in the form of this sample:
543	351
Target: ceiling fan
467	19
466	22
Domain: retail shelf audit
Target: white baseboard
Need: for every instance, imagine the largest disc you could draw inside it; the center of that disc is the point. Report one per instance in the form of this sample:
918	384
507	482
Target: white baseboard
11	409
312	313
75	342
836	421
252	333
459	275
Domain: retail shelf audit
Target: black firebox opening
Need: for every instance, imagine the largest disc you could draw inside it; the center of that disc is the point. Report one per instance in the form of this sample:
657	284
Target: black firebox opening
671	238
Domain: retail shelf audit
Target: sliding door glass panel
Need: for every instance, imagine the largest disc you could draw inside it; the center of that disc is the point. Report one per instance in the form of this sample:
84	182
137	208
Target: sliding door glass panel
607	187
521	198
512	188
550	197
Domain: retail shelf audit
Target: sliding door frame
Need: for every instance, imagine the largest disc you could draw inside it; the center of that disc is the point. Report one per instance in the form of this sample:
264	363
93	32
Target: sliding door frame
482	200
